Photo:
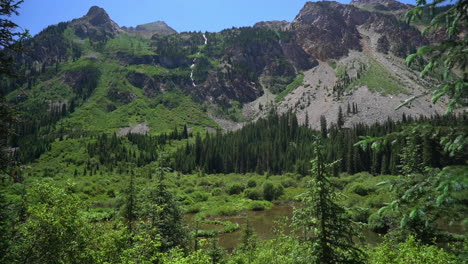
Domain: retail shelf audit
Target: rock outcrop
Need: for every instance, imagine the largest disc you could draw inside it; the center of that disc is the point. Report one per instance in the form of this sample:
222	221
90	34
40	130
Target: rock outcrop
96	25
329	30
150	29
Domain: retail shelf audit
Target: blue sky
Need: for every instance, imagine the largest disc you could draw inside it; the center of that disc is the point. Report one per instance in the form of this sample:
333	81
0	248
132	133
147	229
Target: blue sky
182	15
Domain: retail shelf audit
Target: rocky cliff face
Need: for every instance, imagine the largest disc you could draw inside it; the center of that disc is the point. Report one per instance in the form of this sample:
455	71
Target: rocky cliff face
390	6
329	30
150	29
96	25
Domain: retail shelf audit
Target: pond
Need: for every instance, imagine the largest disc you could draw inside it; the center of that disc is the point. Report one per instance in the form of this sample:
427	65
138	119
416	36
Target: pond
264	223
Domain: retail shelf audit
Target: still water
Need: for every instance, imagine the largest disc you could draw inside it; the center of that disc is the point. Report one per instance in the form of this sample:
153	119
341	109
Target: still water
264	223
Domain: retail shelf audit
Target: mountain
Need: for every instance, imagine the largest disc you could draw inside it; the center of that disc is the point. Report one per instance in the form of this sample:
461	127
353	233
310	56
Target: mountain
92	75
95	25
384	6
149	29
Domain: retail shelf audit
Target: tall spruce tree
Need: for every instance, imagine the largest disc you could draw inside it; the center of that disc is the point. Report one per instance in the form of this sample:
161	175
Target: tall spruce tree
164	218
340	118
327	230
323	126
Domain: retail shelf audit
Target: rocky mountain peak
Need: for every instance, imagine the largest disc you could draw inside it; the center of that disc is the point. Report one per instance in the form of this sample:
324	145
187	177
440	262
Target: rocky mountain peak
316	11
96	25
98	16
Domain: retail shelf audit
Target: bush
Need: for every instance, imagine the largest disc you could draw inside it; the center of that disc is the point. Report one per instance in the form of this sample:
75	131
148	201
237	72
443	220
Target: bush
235	188
259	205
360	215
253	194
380	223
288	183
217	192
272	191
411	251
204	182
200	196
251	183
189	190
360	189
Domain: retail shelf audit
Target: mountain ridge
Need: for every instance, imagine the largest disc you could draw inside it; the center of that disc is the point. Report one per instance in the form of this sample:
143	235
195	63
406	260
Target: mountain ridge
237	74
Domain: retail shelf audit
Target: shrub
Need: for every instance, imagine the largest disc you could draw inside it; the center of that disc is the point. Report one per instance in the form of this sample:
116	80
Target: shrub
200	196
259	205
380	223
253	194
217	192
189	190
411	251
235	188
272	191
360	215
251	183
360	189
288	183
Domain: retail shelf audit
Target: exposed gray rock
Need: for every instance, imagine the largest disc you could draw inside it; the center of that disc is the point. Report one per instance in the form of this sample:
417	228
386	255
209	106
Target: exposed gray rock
96	25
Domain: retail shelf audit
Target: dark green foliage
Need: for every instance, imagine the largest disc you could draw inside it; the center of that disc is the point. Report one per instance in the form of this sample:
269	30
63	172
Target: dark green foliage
164	218
55	230
253	194
340	118
450	54
411	251
215	251
272	191
235	188
113	150
10	37
323	126
129	210
325	227
277	144
251	183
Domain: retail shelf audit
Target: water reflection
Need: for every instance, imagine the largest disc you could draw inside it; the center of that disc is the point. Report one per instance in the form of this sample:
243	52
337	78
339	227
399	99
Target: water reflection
264	223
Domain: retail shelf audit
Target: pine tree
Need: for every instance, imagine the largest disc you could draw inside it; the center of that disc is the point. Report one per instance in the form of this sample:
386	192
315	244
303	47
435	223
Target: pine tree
328	231
340	118
323	126
129	210
163	214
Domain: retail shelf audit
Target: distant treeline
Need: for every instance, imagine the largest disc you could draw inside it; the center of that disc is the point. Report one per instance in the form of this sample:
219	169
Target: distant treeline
278	144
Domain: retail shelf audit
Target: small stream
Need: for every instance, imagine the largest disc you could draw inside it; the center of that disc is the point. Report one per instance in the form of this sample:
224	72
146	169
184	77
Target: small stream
195	61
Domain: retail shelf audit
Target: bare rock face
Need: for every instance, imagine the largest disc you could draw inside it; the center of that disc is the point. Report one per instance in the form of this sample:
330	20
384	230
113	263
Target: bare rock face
237	77
154	85
150	29
322	31
221	88
278	25
96	25
381	5
83	81
144	82
329	30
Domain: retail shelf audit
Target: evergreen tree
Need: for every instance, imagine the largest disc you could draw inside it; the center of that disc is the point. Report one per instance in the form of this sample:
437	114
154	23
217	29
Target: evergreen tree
340	118
323	126
163	215
328	231
130	206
